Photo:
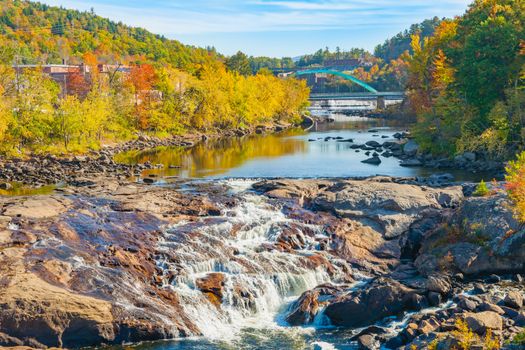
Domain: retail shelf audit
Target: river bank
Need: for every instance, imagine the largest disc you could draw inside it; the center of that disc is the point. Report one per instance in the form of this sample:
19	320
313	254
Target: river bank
109	261
41	170
352	147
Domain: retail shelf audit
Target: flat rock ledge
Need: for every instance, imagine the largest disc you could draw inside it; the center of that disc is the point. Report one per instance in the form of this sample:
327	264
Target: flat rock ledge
80	267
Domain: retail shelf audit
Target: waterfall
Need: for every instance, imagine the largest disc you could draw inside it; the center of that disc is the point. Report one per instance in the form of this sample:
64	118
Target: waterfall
258	282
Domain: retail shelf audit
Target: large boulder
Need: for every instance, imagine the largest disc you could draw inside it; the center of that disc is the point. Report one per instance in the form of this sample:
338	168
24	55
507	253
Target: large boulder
383	298
481	322
483	237
53	315
304	310
514	299
411	148
375	160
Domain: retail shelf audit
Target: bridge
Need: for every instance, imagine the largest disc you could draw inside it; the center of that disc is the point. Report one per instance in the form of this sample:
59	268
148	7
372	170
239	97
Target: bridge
371	99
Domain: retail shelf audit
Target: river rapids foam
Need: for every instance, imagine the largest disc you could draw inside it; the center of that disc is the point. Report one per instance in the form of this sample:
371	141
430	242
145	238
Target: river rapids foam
258	283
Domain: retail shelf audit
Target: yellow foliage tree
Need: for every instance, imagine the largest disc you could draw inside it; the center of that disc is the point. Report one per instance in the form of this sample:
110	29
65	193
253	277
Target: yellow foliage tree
6	115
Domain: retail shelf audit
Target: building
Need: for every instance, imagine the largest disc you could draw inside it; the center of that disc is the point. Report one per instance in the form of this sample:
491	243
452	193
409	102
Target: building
63	74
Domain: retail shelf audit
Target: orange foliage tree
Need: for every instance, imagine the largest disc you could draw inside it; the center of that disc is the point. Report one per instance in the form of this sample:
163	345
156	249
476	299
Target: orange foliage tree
142	79
77	84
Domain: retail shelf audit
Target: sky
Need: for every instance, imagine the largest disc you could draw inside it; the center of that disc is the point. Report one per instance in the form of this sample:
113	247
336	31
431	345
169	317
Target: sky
275	28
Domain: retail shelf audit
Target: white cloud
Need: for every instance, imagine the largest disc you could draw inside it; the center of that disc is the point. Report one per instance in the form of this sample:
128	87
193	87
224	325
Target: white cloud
198	17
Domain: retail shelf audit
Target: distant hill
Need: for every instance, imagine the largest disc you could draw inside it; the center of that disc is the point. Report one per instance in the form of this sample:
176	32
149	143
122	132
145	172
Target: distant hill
48	34
393	48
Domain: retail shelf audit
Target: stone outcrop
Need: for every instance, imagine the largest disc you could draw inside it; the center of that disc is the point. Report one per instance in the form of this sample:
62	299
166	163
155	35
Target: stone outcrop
482	237
361	308
449	238
366	219
108	262
79	270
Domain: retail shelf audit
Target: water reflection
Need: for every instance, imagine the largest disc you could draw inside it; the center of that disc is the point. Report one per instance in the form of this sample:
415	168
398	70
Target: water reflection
217	157
323	151
19	189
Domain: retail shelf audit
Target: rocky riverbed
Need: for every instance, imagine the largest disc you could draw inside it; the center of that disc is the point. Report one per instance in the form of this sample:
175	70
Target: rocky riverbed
39	170
395	262
410	154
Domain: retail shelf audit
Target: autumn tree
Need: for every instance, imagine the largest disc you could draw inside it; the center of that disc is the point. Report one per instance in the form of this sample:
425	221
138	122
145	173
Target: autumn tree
33	116
77	84
68	119
6	115
516	185
142	79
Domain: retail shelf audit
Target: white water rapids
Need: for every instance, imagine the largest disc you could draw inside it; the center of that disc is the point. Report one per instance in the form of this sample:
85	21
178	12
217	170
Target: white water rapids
259	283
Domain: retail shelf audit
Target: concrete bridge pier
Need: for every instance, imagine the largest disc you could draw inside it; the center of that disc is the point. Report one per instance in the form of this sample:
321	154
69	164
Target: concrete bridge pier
381	103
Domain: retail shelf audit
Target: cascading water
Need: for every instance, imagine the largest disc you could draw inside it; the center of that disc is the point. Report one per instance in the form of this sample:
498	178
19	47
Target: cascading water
259	282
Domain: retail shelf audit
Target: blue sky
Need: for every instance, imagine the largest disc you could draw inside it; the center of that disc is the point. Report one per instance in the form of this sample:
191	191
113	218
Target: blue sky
272	27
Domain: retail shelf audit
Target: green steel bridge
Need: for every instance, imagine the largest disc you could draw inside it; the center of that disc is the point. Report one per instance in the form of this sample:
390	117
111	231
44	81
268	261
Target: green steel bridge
339	74
369	94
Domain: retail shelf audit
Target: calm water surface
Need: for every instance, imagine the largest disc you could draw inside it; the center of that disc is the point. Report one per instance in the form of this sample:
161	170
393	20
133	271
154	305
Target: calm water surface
296	154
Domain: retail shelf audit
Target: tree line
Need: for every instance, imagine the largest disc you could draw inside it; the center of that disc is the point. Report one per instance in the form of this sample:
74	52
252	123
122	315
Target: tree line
170	88
35	115
466	82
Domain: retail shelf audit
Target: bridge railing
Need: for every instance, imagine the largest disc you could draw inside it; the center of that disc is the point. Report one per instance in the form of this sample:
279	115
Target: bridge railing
339	95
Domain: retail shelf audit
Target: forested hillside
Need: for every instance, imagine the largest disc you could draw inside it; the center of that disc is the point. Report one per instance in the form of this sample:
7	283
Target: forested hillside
124	80
467	81
394	47
47	34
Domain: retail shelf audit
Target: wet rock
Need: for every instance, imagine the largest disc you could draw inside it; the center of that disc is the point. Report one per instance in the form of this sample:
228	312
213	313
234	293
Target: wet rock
304	310
371	330
411	148
360	308
375	160
482	321
213	286
373	144
514	299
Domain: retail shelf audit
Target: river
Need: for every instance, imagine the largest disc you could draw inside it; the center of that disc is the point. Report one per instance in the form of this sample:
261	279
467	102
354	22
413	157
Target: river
320	152
294	154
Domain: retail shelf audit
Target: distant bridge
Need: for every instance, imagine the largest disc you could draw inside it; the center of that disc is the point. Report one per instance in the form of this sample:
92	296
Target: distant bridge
388	95
355	101
339	74
371	99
